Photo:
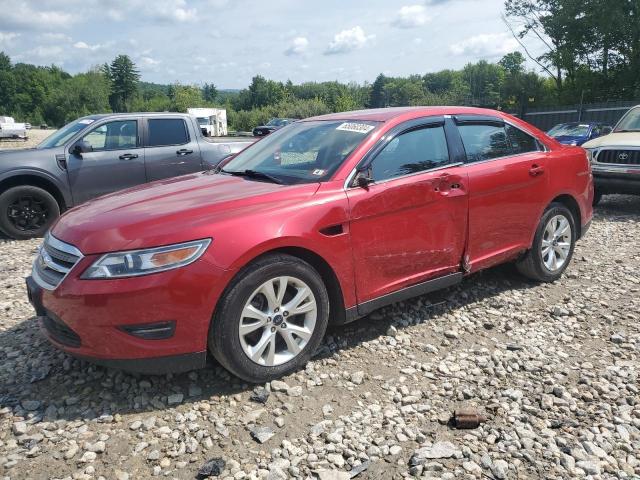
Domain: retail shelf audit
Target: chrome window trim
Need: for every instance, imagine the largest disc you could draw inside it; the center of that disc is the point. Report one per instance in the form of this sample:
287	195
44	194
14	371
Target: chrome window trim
347	183
422	172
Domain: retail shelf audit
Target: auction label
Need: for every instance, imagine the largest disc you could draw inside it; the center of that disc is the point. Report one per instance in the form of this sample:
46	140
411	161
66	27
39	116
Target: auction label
356	127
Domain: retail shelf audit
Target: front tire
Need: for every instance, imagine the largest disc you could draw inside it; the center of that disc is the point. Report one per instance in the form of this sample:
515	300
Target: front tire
27	212
552	247
271	318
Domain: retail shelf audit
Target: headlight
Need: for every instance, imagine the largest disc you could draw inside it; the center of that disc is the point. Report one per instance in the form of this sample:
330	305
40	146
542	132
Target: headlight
143	262
590	154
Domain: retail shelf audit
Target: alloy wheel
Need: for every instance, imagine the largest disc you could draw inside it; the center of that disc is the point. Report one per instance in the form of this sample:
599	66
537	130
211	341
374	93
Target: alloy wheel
556	243
277	321
28	213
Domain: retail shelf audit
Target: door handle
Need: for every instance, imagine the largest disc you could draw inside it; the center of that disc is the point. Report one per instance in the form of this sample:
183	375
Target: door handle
182	152
536	170
128	156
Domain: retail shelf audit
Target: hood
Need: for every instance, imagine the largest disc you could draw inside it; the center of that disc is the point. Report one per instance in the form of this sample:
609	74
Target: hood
623	139
171	211
21	158
16	153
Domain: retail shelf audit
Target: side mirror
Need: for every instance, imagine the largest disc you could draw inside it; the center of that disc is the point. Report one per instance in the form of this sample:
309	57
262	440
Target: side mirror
606	130
81	147
364	178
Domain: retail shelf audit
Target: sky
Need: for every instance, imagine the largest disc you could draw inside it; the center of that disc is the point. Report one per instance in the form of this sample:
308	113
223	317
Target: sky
227	42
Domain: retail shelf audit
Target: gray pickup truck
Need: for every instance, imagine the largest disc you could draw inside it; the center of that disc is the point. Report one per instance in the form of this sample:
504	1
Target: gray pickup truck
96	155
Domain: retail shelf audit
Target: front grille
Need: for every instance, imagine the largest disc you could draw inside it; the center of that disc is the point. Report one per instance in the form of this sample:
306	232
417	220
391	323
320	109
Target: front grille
60	332
619	157
54	261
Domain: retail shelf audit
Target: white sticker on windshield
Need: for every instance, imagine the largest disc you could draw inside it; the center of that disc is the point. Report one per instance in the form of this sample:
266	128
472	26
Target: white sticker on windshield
318	172
356	127
86	121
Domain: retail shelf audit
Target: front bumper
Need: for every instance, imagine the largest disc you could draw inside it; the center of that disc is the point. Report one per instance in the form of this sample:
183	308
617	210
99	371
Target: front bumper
156	323
622	180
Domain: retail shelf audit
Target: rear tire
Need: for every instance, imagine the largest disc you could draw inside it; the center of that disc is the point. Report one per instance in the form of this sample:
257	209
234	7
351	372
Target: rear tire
268	346
552	247
27	212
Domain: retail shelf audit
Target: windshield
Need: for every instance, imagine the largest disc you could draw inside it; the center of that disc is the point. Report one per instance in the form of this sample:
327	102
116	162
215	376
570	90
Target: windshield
203	121
302	152
65	133
277	122
569	130
630	122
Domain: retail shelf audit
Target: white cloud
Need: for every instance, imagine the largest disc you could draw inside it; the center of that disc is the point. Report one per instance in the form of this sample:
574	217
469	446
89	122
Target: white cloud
23	16
161	10
348	40
86	46
410	16
149	62
56	37
485	45
45	52
7	37
298	46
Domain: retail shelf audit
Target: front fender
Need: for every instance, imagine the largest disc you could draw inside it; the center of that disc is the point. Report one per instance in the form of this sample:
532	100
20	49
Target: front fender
40	174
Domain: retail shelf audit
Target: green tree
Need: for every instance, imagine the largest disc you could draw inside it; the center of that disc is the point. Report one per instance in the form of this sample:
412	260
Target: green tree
185	96
209	92
377	97
124	79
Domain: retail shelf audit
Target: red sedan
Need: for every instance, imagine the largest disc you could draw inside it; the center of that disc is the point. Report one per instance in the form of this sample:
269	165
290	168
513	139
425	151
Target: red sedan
321	222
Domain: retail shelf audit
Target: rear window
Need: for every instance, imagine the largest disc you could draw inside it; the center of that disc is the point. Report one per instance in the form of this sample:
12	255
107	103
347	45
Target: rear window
167	131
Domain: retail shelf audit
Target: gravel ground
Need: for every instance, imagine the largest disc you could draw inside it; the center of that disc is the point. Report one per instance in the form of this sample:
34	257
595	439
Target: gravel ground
554	368
35	136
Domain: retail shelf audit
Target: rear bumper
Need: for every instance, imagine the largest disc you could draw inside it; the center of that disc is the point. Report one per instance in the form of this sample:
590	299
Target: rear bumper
617	180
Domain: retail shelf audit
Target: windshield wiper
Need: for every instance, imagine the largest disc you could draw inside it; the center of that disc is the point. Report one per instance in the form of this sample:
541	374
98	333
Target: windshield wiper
254	174
627	130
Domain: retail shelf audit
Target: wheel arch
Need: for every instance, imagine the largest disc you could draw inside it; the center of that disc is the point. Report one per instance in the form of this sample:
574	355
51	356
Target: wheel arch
337	312
35	181
574	207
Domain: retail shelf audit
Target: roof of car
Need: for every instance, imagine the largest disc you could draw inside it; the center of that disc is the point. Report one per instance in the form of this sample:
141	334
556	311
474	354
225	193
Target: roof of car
386	114
99	116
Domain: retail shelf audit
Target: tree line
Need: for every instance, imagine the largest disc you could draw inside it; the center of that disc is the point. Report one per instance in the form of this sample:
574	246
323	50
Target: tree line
50	95
590	52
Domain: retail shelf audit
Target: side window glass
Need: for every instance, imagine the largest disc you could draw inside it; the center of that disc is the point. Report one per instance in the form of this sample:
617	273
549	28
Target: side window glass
521	142
484	142
113	136
167	131
411	152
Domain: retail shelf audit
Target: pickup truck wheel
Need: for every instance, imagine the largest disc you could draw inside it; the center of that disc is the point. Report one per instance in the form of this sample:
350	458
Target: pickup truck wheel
271	319
552	247
597	196
27	212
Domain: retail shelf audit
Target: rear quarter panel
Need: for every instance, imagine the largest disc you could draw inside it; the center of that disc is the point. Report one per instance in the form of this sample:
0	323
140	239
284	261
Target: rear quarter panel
570	174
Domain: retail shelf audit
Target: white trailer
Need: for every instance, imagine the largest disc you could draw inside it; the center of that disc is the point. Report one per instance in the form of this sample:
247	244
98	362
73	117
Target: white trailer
212	121
10	129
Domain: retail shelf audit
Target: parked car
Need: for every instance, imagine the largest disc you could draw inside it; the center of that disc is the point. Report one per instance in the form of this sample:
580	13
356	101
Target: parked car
321	222
615	159
27	126
577	133
96	155
271	126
